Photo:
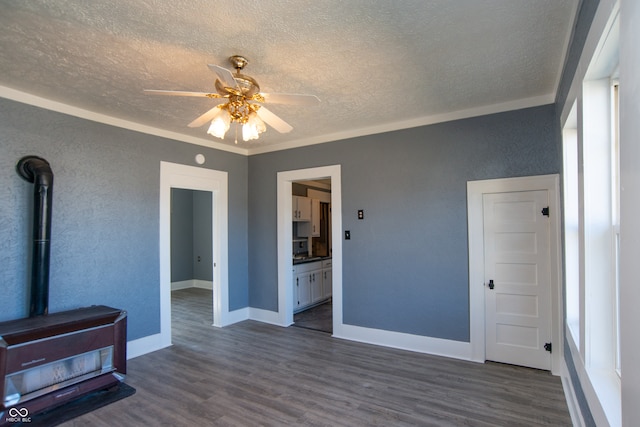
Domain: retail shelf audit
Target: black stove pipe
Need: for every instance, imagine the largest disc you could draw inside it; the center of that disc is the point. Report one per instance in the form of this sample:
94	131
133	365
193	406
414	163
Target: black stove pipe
37	170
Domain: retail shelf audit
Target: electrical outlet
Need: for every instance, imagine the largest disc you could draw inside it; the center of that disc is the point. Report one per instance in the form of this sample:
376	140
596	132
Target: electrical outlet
360	214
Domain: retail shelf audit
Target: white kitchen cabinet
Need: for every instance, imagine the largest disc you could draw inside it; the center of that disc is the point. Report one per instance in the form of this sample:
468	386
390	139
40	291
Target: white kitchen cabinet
311	228
327	279
307	281
312	284
315	218
315	278
301	208
303	291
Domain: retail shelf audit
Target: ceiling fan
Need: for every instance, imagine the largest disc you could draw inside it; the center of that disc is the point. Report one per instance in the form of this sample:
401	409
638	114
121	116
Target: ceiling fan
238	99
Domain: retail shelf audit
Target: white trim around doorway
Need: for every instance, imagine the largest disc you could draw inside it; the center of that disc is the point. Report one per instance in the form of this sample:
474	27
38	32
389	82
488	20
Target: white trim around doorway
174	175
475	191
285	236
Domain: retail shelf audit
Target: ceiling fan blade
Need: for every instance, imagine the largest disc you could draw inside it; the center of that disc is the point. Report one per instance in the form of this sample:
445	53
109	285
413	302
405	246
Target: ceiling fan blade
206	117
181	93
290	98
224	75
274	121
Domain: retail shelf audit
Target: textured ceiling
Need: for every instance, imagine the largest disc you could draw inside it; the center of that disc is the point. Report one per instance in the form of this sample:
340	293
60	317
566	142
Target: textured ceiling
375	65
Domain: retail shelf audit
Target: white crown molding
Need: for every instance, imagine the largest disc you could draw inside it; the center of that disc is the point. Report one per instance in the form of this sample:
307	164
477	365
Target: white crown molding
70	110
48	104
412	123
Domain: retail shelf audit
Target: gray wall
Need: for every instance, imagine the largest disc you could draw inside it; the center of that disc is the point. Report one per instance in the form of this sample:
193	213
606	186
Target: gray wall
181	234
105	231
191	228
405	268
202	230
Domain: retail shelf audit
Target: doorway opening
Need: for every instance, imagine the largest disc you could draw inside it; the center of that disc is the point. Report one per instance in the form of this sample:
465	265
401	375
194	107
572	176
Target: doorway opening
311	251
330	246
215	183
191	260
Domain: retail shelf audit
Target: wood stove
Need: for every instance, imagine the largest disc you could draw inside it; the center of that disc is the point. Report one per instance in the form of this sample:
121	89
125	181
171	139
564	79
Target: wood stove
49	359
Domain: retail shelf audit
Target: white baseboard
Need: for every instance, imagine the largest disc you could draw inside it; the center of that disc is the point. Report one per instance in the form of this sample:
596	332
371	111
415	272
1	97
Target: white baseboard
399	340
193	283
184	284
144	345
203	284
236	316
570	396
265	316
403	341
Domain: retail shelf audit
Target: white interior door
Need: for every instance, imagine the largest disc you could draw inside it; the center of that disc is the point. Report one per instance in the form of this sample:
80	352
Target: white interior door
517	278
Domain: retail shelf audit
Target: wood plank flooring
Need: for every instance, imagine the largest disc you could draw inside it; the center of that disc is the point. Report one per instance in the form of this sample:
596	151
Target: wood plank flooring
319	318
254	374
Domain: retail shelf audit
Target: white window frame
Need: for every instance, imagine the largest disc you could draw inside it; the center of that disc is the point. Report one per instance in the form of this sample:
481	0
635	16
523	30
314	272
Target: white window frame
594	337
573	297
615	215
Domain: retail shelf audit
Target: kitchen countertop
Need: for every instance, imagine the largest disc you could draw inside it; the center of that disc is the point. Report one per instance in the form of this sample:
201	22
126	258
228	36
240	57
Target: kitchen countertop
305	260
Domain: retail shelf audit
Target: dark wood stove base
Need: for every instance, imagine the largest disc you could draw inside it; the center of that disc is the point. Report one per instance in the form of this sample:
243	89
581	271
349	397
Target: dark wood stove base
80	406
28	410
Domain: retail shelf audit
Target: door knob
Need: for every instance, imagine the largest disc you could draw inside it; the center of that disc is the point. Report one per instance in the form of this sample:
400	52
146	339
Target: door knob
491	284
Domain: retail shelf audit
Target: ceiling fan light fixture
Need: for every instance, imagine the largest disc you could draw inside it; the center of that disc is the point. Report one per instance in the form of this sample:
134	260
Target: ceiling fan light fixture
242	103
220	124
253	127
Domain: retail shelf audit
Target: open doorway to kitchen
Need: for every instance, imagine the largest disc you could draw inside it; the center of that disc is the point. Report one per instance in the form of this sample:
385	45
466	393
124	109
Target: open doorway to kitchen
290	251
311	251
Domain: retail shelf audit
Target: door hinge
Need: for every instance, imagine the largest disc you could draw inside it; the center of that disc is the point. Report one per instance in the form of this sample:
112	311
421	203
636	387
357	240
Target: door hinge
545	211
547	347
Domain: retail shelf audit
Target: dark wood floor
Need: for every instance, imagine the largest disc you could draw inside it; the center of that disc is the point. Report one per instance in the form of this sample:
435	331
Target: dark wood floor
318	318
251	374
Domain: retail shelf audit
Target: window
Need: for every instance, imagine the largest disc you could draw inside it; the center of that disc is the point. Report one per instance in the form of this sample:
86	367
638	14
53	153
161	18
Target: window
592	231
571	225
615	215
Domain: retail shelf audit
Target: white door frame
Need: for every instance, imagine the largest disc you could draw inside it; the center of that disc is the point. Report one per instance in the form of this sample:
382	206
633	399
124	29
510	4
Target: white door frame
285	237
475	191
174	175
